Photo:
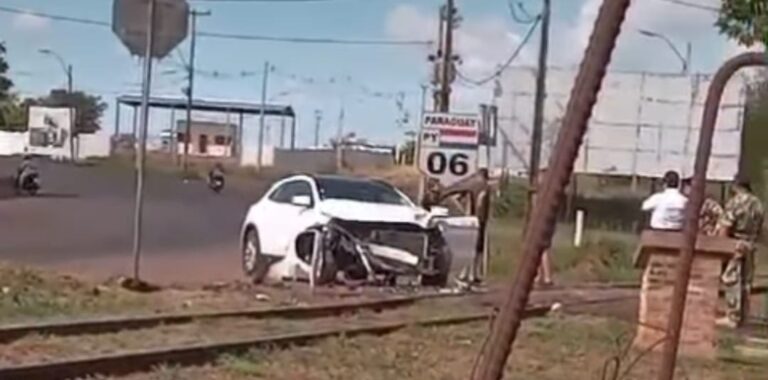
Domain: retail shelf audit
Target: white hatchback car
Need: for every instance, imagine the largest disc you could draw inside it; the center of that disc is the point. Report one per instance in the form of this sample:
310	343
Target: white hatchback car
323	226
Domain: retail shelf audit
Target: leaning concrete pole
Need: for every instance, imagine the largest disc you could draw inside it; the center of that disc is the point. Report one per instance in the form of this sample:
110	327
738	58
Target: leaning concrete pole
542	223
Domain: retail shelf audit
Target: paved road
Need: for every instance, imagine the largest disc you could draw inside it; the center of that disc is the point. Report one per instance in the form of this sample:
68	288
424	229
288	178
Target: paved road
86	214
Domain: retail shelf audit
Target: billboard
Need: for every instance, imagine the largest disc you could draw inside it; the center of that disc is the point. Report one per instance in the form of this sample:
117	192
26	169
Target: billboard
50	129
643	123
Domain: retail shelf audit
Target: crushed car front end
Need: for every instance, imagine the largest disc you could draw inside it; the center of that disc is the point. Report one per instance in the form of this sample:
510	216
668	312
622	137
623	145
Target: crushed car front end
380	252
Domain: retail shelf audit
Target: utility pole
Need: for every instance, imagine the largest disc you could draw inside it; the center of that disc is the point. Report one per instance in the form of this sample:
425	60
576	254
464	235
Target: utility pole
501	339
446	66
340	140
417	140
538	111
262	114
190	86
318	120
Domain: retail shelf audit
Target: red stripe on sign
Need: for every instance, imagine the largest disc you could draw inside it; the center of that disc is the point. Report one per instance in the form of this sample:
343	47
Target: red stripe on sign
464	132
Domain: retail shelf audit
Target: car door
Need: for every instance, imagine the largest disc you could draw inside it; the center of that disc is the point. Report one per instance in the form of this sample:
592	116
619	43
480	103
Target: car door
279	217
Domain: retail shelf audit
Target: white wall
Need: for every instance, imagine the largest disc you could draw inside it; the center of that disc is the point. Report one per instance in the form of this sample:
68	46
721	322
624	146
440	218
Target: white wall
94	145
88	146
643	123
12	143
250	156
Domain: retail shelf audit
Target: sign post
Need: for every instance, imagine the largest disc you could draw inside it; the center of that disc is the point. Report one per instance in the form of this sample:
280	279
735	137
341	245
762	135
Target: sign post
150	28
448	146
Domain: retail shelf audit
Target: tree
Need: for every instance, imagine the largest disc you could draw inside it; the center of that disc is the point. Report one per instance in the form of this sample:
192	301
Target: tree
745	21
13	116
5	83
88	108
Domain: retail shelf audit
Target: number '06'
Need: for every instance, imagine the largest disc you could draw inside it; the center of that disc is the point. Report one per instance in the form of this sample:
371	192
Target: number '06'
438	163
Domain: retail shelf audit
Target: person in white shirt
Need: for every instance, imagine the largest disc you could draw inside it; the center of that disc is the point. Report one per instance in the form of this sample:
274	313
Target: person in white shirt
667	207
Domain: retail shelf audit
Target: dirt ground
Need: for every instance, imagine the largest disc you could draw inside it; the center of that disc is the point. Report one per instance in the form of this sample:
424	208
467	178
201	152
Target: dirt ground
29	295
553	348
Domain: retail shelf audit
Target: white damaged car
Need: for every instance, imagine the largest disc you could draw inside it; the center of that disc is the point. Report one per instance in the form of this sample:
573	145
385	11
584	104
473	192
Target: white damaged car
326	228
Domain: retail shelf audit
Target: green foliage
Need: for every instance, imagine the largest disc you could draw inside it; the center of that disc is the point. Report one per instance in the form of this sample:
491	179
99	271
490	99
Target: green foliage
511	200
745	21
12	115
754	156
5	83
89	108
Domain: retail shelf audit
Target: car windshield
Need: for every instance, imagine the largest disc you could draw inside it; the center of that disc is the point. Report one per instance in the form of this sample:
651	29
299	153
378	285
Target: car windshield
359	190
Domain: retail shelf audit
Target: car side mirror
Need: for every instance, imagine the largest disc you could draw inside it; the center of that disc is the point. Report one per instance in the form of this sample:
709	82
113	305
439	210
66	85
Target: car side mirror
301	200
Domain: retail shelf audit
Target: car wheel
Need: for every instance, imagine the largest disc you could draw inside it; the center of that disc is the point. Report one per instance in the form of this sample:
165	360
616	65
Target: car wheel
254	263
443	258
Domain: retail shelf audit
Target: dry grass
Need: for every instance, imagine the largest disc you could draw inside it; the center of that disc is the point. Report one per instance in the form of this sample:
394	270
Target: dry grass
574	348
31	294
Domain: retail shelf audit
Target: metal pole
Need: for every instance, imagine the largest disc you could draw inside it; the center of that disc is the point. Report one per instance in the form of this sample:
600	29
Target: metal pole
72	116
538	112
261	114
282	131
174	144
191	86
583	97
293	132
340	139
691	226
141	157
417	148
447	67
135	126
239	141
688	55
117	120
318	120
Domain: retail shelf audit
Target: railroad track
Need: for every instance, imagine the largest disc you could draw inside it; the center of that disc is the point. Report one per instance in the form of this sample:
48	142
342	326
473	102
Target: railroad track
10	333
392	315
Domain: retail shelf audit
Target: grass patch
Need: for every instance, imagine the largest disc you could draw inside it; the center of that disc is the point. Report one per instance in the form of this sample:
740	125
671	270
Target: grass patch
27	293
556	348
603	256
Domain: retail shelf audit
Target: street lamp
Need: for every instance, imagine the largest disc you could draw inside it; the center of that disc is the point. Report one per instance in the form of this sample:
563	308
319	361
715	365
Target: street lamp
67	68
68	71
685	60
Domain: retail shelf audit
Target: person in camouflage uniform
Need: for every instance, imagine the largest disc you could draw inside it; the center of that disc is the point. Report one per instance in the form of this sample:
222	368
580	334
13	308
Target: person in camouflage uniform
742	219
710	213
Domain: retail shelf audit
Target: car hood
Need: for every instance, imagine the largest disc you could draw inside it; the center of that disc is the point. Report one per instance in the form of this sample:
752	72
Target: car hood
372	212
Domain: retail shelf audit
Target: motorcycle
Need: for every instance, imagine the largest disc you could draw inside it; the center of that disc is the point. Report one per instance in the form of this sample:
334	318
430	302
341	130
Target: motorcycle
28	183
216	183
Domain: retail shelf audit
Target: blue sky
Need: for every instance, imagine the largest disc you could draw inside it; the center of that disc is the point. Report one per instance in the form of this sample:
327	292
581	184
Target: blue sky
487	36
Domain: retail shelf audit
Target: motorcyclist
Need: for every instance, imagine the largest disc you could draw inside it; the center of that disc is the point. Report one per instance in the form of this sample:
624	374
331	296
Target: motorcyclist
25	167
217	172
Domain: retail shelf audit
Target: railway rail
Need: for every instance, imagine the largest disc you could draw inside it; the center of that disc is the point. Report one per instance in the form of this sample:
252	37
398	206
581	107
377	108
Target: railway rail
145	359
10	333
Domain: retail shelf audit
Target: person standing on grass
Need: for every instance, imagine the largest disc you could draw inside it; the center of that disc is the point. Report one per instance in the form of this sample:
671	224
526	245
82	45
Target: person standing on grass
742	219
667	207
544	273
710	213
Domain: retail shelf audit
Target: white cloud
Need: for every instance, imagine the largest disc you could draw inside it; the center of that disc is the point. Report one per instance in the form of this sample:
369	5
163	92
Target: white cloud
29	22
483	44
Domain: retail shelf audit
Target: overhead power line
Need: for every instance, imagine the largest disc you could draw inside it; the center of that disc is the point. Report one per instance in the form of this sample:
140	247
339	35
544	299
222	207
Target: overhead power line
510	60
691	4
262	1
314	40
49	16
231	36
